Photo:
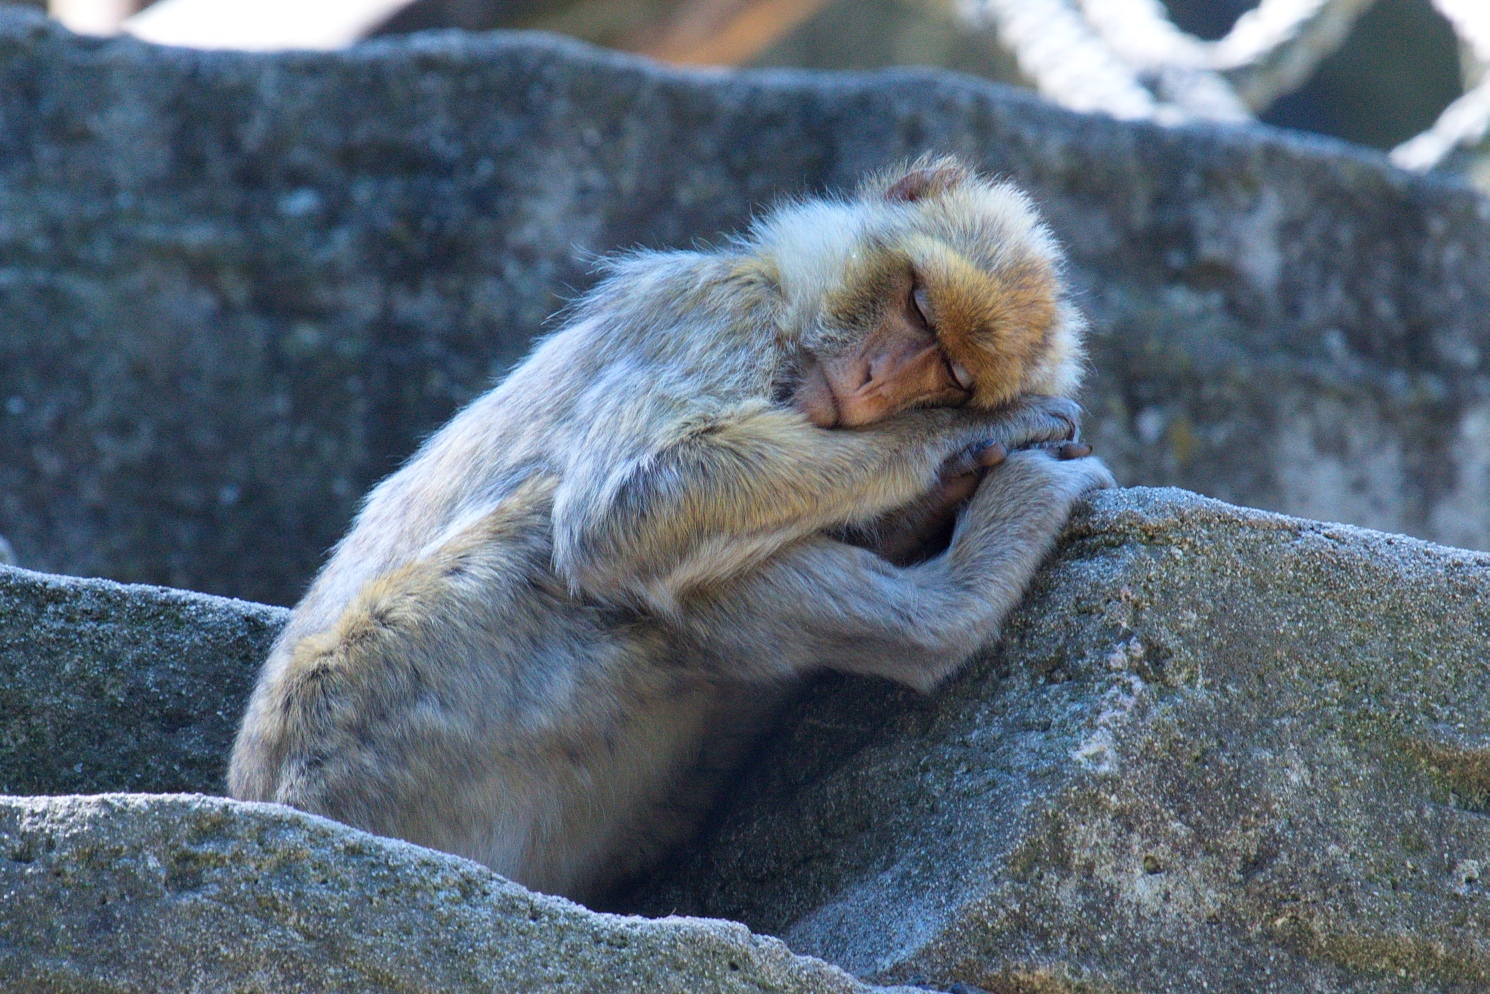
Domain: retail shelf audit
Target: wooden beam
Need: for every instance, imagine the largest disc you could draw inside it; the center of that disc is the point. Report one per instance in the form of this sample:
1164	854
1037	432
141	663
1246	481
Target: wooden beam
721	32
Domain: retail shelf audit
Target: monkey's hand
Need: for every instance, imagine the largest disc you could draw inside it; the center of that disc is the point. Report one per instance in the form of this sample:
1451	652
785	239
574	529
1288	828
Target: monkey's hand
1024	422
923	528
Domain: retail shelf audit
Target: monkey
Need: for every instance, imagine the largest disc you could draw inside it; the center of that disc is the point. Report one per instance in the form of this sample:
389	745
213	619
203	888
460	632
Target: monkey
542	631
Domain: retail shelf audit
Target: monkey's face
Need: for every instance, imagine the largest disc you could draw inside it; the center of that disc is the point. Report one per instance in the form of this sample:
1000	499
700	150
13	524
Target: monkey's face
919	324
885	357
935	287
996	312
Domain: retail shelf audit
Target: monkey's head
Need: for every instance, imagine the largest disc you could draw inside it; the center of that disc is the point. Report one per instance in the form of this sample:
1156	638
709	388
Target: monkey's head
932	286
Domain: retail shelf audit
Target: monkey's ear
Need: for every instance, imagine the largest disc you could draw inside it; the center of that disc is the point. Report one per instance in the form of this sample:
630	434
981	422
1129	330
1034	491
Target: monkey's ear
758	271
928	180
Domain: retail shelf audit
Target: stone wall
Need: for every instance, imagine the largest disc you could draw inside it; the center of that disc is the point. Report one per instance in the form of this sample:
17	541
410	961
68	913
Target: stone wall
237	289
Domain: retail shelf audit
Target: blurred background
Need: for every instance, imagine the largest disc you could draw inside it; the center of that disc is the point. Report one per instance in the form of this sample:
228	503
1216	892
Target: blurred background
1405	76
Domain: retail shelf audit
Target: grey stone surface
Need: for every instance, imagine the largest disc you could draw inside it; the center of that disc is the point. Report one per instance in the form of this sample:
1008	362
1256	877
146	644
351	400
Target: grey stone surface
105	687
237	289
1216	749
157	894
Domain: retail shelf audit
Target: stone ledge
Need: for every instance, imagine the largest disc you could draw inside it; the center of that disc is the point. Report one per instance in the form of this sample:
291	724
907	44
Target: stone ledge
1214	746
163	893
105	686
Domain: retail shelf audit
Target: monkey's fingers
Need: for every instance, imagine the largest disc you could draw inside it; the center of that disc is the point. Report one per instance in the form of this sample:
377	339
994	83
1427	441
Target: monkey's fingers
1037	421
974	459
989	456
1073	450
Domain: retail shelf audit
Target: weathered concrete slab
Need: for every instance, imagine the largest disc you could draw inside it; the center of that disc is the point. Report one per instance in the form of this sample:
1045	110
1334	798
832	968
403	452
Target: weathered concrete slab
160	894
237	289
1216	750
106	687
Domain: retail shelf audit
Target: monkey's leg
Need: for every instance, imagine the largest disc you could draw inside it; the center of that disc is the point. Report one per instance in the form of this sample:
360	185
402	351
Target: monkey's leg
821	603
384	718
463	702
719	498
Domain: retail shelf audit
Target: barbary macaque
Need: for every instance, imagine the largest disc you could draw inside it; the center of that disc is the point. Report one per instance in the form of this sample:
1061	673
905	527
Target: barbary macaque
541	634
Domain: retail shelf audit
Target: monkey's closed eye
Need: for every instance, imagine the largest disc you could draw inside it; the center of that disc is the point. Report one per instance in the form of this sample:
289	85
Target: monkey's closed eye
921	304
921	308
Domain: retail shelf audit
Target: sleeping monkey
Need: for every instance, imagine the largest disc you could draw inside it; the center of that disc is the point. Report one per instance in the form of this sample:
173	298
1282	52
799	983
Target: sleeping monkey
723	472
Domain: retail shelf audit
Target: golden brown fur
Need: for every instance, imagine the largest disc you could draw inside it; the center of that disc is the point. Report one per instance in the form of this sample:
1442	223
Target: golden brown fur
544	631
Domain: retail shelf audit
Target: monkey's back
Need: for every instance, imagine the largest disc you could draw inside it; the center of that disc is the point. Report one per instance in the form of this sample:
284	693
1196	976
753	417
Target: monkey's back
441	683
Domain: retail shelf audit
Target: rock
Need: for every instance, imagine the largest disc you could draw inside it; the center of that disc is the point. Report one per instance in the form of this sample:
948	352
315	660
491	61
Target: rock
105	687
168	893
237	289
1216	749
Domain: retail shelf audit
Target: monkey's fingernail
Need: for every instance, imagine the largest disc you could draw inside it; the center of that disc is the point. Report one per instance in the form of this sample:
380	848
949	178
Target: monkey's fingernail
1074	450
964	378
992	455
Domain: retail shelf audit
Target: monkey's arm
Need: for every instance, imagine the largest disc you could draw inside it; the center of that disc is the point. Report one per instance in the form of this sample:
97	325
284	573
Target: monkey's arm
716	495
923	529
822	603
